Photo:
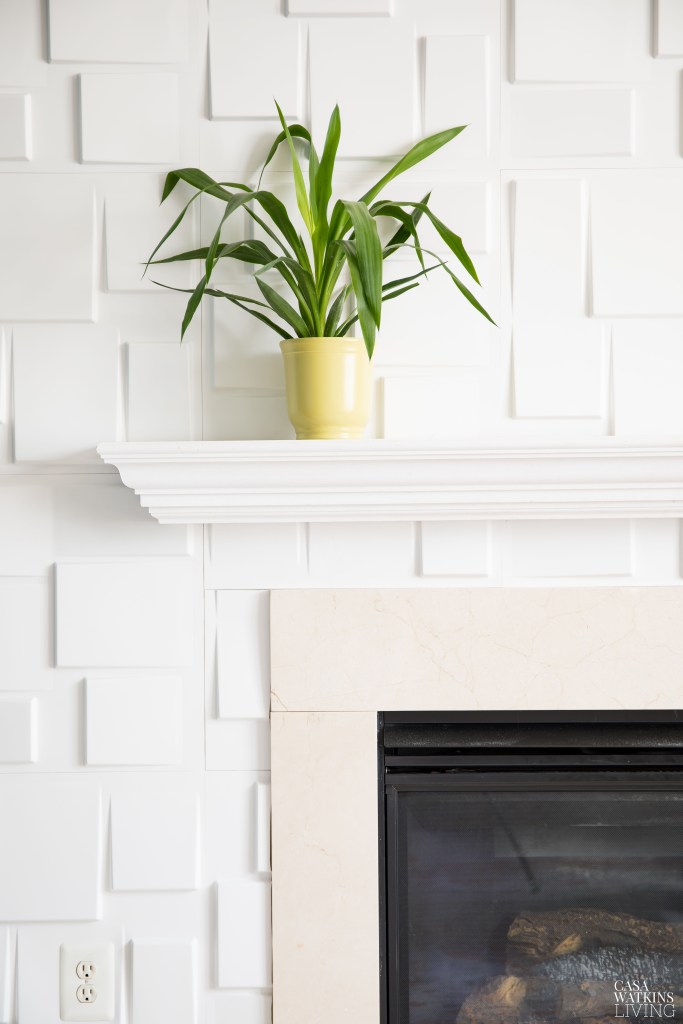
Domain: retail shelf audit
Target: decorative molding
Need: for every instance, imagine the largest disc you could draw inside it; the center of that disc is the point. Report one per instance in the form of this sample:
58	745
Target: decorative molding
337	481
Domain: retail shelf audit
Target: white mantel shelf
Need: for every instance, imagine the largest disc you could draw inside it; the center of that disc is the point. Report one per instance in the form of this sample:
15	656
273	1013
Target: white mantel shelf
337	481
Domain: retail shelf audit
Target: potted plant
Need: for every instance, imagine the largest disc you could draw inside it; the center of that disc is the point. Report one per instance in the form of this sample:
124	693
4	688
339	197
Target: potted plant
327	371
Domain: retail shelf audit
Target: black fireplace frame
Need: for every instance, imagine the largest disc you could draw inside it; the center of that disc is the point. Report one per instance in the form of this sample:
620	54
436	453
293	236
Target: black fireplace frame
461	751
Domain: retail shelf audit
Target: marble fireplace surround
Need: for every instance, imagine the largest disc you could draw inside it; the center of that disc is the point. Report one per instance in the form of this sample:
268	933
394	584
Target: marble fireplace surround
339	656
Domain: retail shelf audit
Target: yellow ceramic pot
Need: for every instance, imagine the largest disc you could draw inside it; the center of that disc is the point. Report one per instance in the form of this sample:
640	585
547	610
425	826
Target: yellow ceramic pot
328	382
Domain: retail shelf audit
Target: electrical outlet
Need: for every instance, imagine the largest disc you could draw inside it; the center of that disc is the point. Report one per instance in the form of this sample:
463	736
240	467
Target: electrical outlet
86	983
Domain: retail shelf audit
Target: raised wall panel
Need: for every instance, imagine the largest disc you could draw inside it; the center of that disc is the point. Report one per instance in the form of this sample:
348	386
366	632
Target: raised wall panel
158	393
243	662
559	368
262	805
376	103
124	613
231	823
465	206
21	43
18	731
26	529
647	366
455	549
431	407
572	122
245	353
56	288
254	555
457	92
51	848
15	126
6	976
25	634
164	981
669	22
149	132
580	40
244	945
262	42
339	8
65	390
129	32
361	551
637	259
134	720
155	835
574	548
548	250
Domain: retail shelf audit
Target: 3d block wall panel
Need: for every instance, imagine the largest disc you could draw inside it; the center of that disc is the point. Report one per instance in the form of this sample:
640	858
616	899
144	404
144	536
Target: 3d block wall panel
134	683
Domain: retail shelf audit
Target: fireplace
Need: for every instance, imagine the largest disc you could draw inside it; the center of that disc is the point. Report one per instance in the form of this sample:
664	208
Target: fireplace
531	867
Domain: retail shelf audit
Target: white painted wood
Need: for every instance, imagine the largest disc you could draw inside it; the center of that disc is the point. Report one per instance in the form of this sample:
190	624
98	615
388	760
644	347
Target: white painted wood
155	834
274	43
262	828
15	122
376	104
232	838
430	407
669	21
648	361
159	393
51	848
26	529
244	353
466	206
148	134
580	40
545	550
124	613
360	552
21	49
549	244
134	720
457	92
245	1007
455	549
637	260
7	981
164	981
559	368
281	482
244	958
339	8
572	122
47	392
18	731
238	745
134	33
64	225
244	555
243	659
25	634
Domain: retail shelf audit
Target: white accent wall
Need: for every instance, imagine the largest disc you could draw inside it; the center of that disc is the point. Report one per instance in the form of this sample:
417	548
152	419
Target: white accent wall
134	663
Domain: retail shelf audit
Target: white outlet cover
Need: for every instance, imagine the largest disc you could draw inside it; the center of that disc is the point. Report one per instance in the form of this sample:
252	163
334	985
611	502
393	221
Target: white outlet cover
104	1006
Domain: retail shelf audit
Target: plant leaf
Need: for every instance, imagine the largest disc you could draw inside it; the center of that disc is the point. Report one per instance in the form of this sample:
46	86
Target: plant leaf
368	255
367	321
335	312
299	184
419	152
453	241
283	308
237	300
352	319
297	131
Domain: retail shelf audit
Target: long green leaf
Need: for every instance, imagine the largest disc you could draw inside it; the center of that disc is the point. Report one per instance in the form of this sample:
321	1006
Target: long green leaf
237	300
335	312
405	220
295	130
419	152
251	250
352	319
453	241
302	284
283	308
323	188
404	232
299	184
368	255
367	321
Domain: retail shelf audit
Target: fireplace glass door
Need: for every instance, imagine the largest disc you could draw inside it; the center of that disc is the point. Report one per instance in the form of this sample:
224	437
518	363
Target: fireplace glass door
534	890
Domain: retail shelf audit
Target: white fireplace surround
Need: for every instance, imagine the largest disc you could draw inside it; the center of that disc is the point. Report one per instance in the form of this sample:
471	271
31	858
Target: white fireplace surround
339	656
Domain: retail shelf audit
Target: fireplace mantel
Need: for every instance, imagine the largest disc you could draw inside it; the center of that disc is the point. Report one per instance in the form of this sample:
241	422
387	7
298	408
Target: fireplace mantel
335	481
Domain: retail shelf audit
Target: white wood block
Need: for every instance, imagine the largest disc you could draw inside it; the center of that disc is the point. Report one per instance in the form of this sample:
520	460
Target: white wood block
657	550
238	745
124	613
25	634
21	43
669	28
457	91
231	64
158	393
541	549
559	368
431	407
455	549
246	417
93	30
18	730
361	552
244	944
243	653
572	122
465	206
549	248
244	352
637	260
26	530
149	131
339	8
580	40
262	828
375	102
164	981
15	126
232	836
65	390
155	835
135	220
647	368
256	555
245	1007
134	720
51	848
6	976
55	289
236	150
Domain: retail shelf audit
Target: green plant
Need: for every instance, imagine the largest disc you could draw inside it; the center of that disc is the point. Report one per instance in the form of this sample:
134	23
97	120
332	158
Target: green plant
311	269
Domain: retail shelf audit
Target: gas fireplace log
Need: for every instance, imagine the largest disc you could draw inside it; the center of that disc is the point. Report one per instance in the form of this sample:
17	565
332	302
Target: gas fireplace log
511	1000
591	1000
536	937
